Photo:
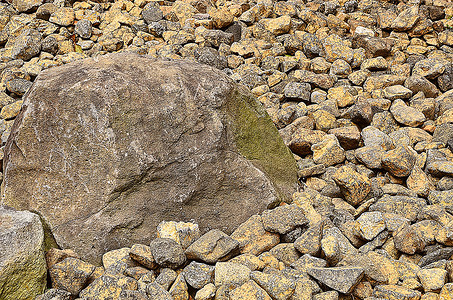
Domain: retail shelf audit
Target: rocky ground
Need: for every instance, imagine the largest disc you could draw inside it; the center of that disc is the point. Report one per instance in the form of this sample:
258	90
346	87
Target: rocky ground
362	93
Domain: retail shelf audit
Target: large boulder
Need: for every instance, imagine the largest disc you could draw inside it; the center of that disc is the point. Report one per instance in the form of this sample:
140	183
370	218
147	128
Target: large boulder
108	147
22	264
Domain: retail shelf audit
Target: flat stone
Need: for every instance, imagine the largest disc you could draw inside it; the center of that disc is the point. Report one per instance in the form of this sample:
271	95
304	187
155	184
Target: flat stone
342	279
286	253
298	91
230	274
108	286
283	219
417	83
407	207
278	25
395	292
397	92
212	247
63	16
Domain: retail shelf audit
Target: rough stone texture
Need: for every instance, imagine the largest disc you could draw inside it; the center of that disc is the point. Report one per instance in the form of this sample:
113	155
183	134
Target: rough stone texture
342	279
94	159
22	262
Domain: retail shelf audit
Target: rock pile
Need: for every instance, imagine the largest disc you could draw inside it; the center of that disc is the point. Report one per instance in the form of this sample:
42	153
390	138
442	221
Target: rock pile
362	93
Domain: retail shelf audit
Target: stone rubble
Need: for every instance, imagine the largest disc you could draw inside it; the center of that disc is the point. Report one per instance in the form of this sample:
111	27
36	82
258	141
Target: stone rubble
361	92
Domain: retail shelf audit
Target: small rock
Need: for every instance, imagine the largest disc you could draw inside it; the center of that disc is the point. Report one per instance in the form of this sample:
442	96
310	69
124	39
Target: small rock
84	29
55	294
181	232
206	293
253	238
354	186
198	274
406	115
249	291
342	279
348	136
328	151
212	247
166	278
179	290
429	68
283	219
27	45
26	5
297	91
432	280
399	161
276	285
406	19
155	291
167	253
71	275
417	83
395	292
142	254
63	16
152	13
370	224
397	92
230	274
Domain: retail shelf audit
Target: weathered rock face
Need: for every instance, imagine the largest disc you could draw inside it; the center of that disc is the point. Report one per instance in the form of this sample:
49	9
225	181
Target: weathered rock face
22	264
106	148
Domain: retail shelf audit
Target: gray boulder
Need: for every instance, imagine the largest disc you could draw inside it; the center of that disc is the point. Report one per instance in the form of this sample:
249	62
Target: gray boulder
108	147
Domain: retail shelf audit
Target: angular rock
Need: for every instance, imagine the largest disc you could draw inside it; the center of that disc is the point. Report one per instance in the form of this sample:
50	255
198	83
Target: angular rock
408	207
71	275
249	291
276	285
354	186
342	279
198	275
155	291
27	45
417	83
283	219
213	246
406	115
370	224
22	264
399	161
53	294
433	279
142	254
206	293
395	292
328	151
97	195
167	253
181	232
253	238
179	290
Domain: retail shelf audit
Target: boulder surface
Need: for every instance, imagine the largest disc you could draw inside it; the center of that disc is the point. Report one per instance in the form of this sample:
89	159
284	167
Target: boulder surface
108	147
